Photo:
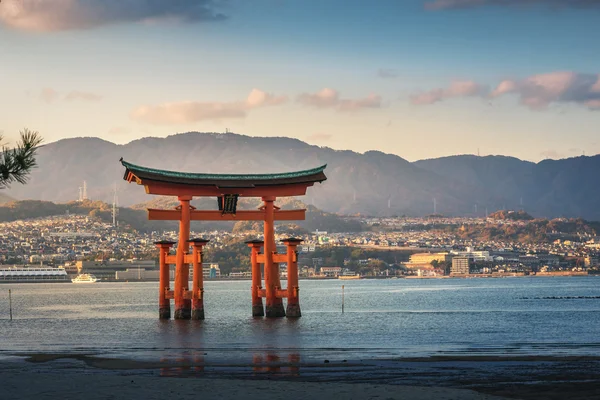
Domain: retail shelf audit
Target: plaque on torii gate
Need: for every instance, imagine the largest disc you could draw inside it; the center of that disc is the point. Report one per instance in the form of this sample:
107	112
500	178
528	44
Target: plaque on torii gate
227	188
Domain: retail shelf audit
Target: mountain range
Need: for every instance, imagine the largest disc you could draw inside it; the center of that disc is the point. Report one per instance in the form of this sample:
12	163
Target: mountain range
371	183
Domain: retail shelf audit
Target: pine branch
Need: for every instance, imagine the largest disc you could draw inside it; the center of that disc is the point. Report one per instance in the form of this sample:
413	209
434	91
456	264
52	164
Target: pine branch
17	163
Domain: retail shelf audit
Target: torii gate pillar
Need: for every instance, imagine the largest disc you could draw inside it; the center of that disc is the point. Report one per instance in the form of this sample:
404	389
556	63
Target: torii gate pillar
258	309
274	304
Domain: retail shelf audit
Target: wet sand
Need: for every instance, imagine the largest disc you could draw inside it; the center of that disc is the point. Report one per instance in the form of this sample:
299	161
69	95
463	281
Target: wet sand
97	386
73	376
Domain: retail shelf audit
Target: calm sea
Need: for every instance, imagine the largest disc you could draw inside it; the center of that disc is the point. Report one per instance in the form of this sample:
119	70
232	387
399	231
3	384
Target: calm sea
382	319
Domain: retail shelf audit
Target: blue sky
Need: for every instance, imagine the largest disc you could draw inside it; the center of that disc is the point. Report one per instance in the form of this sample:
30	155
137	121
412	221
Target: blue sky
416	78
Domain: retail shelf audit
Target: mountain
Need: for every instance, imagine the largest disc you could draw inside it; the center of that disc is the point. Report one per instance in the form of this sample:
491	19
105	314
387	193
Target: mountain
550	188
373	183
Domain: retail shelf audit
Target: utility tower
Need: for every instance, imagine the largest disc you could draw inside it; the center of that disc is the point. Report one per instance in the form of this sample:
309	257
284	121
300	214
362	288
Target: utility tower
114	206
83	192
84	195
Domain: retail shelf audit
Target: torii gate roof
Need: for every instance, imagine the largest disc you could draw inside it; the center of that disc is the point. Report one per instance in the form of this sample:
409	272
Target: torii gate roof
165	182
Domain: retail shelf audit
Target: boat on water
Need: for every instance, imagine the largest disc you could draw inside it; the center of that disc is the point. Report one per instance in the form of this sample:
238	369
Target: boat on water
349	277
84	278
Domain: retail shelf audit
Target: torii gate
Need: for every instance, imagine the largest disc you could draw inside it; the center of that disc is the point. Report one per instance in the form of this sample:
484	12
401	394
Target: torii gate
226	188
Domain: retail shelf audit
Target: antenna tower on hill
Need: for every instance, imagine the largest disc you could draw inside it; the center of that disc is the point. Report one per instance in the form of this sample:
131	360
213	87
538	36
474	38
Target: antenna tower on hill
83	192
114	206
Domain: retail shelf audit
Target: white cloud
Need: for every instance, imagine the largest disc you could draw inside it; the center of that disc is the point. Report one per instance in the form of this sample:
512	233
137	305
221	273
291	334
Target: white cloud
186	112
536	92
58	15
456	89
539	91
330	98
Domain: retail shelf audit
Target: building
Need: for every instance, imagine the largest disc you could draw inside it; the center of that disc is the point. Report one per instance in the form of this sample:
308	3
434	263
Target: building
550	260
460	266
138	274
428	258
33	274
474	255
107	270
590	261
209	270
423	261
331	271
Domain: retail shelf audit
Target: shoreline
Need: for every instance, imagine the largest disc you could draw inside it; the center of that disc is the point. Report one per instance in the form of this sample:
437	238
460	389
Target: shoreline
470	276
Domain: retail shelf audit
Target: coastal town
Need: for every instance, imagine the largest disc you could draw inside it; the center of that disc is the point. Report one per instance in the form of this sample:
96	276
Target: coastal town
387	247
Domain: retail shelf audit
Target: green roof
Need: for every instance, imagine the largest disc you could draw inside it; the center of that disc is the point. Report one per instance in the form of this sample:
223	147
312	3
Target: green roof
246	177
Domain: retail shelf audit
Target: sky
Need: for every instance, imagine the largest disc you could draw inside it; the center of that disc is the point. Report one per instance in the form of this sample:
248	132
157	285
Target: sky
416	78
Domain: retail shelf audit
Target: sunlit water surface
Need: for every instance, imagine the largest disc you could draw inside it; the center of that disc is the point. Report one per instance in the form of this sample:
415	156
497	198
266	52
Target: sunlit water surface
382	319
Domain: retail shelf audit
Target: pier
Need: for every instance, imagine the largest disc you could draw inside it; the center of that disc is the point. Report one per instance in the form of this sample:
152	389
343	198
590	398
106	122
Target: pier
226	188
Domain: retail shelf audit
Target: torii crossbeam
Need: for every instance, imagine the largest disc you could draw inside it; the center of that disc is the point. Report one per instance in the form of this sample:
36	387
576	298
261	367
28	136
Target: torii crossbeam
226	188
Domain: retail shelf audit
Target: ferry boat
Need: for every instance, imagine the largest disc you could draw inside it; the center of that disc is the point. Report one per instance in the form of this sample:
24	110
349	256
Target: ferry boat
348	277
39	274
84	278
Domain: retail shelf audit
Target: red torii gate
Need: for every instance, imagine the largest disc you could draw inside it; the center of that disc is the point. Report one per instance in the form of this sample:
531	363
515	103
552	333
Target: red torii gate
226	188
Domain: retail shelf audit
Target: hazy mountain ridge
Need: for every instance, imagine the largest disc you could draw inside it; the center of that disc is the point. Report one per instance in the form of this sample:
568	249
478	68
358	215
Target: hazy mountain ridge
550	188
373	183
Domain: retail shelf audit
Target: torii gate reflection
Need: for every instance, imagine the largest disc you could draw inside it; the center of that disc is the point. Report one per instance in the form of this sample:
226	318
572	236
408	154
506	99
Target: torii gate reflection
226	188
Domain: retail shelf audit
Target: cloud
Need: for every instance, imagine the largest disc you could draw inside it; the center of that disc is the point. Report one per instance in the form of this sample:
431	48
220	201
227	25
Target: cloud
330	98
48	95
85	96
456	89
186	112
539	91
319	137
59	15
536	92
387	73
258	98
458	4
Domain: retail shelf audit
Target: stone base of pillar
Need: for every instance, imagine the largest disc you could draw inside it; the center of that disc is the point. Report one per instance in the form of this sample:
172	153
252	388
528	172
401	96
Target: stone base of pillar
198	314
275	311
258	310
293	311
164	312
183	313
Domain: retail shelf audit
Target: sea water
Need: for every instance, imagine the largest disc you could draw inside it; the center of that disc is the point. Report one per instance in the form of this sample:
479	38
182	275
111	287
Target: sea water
382	319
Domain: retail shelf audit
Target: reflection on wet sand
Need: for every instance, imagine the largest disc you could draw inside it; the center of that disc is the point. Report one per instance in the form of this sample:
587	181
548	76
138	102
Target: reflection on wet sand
193	363
185	365
271	363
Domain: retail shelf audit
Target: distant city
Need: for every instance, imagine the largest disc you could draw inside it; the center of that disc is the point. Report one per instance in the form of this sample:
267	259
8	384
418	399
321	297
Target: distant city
389	247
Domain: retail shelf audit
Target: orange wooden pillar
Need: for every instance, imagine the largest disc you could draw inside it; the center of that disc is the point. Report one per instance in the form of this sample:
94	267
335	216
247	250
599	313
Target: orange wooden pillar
183	306
258	309
293	303
274	305
198	279
164	304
